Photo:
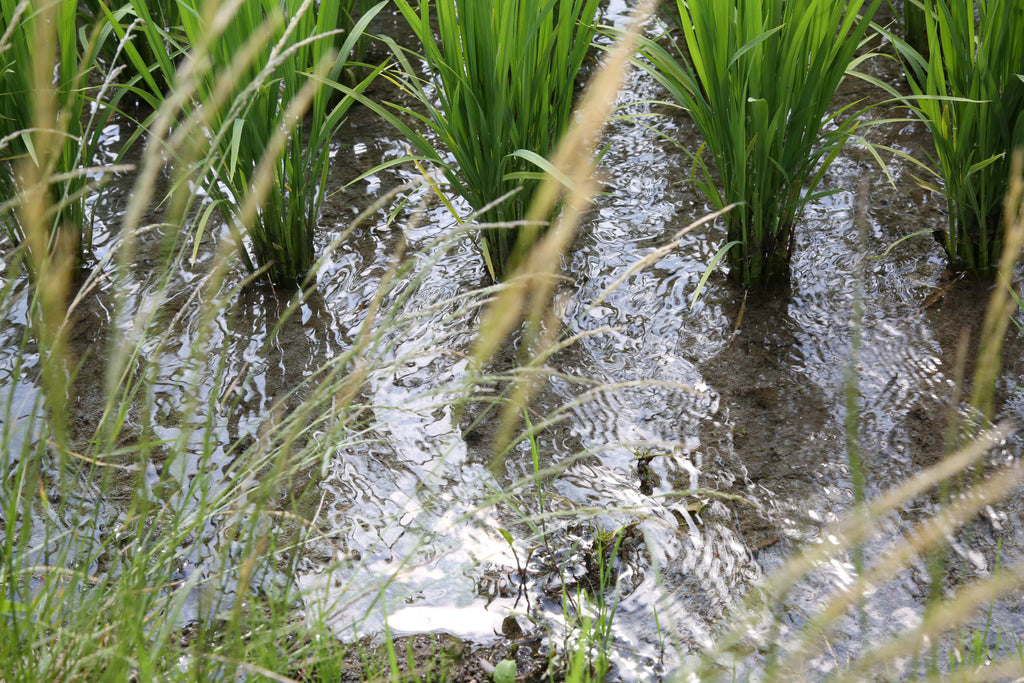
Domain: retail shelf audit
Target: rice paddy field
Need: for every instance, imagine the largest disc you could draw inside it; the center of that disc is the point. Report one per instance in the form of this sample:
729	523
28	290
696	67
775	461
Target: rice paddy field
210	474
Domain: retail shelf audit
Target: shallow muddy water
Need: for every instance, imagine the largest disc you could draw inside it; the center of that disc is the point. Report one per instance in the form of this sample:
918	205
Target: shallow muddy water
743	395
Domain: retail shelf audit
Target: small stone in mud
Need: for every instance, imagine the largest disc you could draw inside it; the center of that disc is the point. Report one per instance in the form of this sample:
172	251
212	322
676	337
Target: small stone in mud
648	479
510	628
452	648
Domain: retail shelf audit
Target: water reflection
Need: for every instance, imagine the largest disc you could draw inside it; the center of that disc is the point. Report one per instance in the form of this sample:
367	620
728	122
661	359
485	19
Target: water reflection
730	395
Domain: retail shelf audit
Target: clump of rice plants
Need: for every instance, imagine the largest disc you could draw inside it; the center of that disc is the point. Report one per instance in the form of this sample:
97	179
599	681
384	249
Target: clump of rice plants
47	137
503	77
970	93
268	107
757	78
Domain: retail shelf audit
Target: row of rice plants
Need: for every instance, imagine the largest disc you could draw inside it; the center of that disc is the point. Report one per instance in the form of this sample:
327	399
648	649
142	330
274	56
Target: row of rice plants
505	81
757	79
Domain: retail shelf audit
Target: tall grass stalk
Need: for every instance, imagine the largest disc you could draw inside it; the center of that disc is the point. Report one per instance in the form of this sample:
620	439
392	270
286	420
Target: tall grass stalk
970	93
1002	304
502	84
757	78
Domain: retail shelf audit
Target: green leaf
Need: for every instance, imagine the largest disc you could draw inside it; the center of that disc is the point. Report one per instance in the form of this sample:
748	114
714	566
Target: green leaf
26	137
505	671
916	233
236	140
542	163
985	162
711	267
752	44
201	227
7	606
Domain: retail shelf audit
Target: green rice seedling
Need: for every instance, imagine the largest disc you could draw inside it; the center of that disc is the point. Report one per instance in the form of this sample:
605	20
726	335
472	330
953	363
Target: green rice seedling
349	13
48	137
504	77
588	657
151	50
970	93
757	78
915	30
278	115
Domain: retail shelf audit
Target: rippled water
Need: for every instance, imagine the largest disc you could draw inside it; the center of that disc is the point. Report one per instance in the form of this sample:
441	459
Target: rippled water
747	399
740	396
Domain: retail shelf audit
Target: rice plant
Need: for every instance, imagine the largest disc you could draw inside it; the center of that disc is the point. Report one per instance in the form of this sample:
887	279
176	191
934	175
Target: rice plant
349	14
757	78
275	59
47	136
915	31
969	91
152	36
504	78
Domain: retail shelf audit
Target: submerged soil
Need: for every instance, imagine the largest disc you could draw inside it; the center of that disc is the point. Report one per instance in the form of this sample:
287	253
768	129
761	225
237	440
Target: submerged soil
739	394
